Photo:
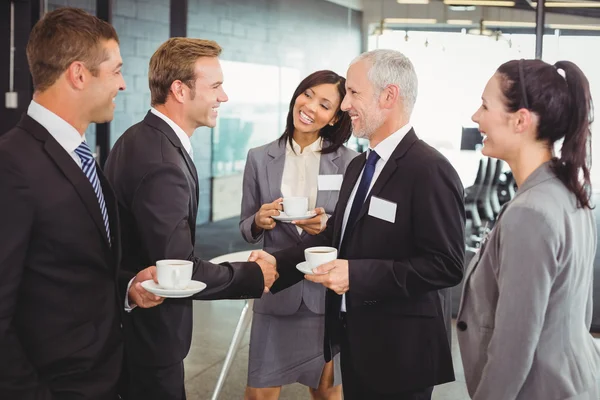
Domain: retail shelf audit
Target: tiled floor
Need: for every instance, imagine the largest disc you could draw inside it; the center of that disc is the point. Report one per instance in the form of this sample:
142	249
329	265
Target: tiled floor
213	327
214	324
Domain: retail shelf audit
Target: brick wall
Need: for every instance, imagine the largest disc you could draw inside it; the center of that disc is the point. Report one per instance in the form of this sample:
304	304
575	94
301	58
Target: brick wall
308	34
142	26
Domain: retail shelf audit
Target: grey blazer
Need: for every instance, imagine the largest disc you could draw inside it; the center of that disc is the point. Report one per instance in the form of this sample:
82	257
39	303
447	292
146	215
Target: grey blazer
262	184
526	309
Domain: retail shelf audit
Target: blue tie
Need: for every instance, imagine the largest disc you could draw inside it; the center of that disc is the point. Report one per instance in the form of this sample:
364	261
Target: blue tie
361	192
88	165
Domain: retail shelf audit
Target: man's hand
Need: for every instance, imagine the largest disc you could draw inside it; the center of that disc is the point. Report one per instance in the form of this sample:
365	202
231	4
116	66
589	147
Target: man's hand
268	265
316	224
263	219
138	295
333	275
262	255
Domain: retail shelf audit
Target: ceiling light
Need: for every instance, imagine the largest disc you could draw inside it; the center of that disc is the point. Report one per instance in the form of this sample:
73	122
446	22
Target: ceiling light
575	27
459	22
410	21
412	1
510	24
492	3
567	4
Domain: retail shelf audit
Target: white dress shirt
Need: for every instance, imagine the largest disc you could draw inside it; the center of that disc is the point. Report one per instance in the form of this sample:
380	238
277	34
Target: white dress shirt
64	133
183	137
301	171
384	150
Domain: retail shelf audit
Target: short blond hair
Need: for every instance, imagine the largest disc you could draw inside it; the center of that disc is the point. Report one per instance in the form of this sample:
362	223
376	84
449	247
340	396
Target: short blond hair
175	60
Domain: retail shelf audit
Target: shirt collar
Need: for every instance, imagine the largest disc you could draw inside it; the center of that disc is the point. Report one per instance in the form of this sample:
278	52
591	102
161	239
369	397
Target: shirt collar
387	146
183	137
314	148
64	133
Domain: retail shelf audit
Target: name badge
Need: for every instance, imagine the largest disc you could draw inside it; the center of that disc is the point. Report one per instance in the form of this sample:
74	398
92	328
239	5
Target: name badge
329	182
382	209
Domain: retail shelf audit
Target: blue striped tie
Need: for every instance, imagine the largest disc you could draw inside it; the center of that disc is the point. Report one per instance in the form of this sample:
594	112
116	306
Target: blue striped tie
88	165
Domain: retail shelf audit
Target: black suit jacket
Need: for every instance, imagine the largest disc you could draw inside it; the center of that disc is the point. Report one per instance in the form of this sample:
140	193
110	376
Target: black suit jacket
395	323
60	312
157	188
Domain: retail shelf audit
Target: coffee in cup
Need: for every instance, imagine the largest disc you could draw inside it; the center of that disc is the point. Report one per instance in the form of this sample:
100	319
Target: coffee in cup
316	256
174	274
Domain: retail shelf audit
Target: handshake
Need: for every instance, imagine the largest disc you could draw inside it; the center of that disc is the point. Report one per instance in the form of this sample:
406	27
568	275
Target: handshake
334	274
268	265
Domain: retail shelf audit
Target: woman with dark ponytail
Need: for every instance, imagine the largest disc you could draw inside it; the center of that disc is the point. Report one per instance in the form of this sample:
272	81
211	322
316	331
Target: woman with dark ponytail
524	320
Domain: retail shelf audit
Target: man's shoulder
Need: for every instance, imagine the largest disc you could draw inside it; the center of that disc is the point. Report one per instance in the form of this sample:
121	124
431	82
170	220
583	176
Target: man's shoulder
425	155
15	137
140	131
141	139
18	146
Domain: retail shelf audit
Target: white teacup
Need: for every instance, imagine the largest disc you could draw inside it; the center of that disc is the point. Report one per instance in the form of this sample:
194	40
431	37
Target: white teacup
295	206
316	256
174	274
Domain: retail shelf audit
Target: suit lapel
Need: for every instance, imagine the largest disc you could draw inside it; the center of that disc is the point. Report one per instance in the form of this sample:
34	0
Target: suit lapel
484	242
191	165
158	123
192	168
275	165
350	178
388	170
470	268
113	215
276	152
474	263
329	165
70	169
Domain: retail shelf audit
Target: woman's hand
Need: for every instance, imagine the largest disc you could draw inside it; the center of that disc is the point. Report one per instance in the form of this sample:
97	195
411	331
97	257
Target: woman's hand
316	224
263	218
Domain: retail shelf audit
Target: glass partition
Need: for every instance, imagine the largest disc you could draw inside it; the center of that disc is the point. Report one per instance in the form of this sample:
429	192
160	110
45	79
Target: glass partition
259	97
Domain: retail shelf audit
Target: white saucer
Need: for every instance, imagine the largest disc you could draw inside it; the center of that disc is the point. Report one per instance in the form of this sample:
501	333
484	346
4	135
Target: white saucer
283	217
305	268
192	288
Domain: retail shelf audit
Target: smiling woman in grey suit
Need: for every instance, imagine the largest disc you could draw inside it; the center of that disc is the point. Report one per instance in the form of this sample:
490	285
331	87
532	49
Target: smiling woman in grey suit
308	160
526	309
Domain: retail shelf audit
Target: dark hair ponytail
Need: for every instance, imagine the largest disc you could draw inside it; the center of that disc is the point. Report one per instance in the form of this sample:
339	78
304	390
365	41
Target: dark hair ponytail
560	96
575	154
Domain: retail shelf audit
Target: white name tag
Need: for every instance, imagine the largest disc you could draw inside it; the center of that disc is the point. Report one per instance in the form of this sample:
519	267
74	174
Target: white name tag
330	182
382	209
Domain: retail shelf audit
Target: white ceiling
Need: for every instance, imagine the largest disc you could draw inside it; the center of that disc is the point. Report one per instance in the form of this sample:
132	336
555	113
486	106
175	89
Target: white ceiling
354	4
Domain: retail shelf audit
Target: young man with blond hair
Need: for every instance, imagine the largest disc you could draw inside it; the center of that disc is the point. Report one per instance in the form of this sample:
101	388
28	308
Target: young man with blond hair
152	169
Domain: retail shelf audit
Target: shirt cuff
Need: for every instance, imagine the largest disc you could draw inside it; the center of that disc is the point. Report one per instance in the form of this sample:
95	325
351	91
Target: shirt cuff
128	308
